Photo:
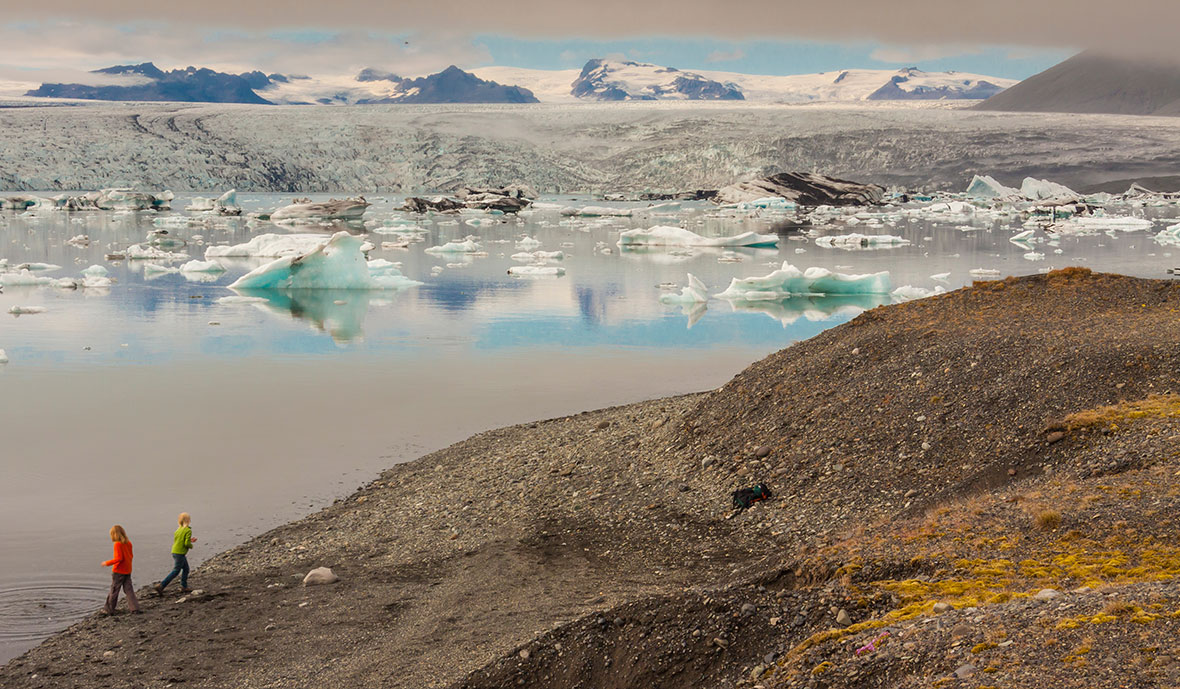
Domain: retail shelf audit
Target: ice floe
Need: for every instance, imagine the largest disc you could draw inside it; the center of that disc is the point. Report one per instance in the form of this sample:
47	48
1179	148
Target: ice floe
467	246
536	271
23	310
539	256
195	266
986	188
142	252
337	263
910	292
666	235
335	209
272	246
861	241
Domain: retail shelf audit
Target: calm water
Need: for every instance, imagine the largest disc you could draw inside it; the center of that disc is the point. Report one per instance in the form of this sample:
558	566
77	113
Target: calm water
132	403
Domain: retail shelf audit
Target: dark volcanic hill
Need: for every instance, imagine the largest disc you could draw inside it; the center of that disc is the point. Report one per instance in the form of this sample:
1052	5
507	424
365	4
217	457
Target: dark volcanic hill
191	85
452	85
1093	83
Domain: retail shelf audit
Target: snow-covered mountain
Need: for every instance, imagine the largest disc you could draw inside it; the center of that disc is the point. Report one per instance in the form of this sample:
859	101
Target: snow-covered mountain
843	85
599	80
625	80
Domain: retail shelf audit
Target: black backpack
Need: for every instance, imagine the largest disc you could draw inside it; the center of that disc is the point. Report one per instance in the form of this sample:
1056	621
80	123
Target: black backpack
744	497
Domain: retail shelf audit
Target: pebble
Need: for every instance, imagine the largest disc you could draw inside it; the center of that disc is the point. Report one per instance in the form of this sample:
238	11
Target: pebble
911	493
747	609
524	654
941	607
762	451
1055	436
1047	594
965	670
108	654
842	618
602	425
708	462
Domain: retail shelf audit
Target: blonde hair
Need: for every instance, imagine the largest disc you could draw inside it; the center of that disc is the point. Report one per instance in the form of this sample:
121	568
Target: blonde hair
118	534
184	519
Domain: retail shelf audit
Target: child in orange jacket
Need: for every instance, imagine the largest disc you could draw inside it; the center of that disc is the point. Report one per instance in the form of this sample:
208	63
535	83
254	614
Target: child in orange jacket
120	572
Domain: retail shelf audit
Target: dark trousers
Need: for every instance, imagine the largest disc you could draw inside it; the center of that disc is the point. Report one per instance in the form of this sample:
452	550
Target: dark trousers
121	581
179	566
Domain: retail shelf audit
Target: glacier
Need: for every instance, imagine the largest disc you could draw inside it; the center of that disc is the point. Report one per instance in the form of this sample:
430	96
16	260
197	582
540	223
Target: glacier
337	263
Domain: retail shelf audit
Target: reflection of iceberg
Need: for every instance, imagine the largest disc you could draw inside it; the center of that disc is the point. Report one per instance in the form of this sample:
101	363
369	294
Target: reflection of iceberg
337	264
789	280
340	313
666	235
791	309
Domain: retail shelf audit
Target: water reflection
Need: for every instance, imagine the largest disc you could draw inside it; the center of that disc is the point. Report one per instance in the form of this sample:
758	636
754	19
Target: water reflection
791	309
339	313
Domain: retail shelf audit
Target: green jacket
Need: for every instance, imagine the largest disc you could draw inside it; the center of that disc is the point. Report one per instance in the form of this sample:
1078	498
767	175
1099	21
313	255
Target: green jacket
182	541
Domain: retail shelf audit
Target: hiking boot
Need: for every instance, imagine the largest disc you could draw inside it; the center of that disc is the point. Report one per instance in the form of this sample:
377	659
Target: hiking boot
186	589
136	612
159	590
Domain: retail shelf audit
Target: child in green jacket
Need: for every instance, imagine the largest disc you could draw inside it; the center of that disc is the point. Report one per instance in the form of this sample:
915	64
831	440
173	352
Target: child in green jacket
182	542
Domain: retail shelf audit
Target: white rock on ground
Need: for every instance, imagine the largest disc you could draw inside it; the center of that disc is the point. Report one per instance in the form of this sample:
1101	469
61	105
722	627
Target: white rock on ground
319	576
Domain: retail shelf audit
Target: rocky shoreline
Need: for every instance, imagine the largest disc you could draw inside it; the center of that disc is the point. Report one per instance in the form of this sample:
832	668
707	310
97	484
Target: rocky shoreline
919	454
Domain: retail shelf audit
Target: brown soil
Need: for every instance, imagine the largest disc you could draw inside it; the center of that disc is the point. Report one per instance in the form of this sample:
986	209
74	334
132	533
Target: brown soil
911	451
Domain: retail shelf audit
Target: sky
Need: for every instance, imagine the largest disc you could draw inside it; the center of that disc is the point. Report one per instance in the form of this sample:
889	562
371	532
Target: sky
59	40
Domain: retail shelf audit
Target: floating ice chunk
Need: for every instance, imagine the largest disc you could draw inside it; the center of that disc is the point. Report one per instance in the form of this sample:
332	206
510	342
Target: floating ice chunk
147	252
37	267
467	246
789	281
1096	223
986	188
694	293
984	273
96	282
910	292
768	203
95	271
1169	235
335	209
666	235
528	244
195	266
24	278
598	211
337	264
539	256
3	357
479	222
65	283
23	310
941	277
1034	256
80	241
536	271
239	299
1023	238
154	269
1041	189
861	241
273	246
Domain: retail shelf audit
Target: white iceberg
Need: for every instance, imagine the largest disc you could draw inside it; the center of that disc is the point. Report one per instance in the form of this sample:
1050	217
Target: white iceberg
195	266
536	271
539	256
1095	223
467	246
790	281
23	278
527	244
338	263
273	246
95	271
148	252
694	293
861	241
3	357
1042	189
767	203
226	204
987	188
598	211
666	235
37	267
22	310
153	269
941	277
984	273
910	292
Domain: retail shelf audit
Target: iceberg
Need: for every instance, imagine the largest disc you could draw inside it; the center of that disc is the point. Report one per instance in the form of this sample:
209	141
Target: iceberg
598	212
694	293
528	243
338	263
790	281
95	271
157	270
986	188
910	292
1170	235
226	204
23	310
536	271
335	209
36	267
777	203
1042	189
539	256
23	279
984	273
272	246
666	235
195	266
1094	223
3	357
142	252
467	246
861	241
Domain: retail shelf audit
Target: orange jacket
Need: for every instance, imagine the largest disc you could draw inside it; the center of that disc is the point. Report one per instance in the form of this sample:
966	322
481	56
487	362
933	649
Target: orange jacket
122	558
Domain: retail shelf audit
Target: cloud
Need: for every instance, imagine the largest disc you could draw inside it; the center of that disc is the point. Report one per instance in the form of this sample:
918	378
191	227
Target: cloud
725	56
1046	23
24	75
921	53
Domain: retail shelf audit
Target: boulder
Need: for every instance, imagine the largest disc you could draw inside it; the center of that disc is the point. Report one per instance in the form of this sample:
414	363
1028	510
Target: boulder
805	189
320	575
